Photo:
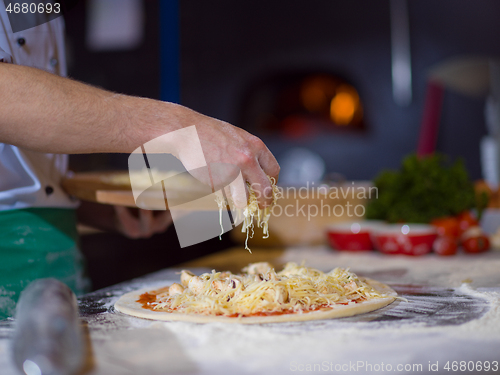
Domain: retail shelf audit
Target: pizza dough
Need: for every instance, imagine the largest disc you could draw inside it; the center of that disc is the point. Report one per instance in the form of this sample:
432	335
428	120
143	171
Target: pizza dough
128	304
132	304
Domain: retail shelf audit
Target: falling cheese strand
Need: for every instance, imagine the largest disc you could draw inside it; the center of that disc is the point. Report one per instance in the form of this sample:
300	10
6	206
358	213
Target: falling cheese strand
296	289
221	202
142	178
252	211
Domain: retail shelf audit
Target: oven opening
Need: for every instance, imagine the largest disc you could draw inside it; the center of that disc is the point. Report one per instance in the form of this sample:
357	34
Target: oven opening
296	105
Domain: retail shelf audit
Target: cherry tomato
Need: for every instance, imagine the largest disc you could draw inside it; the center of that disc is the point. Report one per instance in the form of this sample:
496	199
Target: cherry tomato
465	221
445	245
447	226
476	244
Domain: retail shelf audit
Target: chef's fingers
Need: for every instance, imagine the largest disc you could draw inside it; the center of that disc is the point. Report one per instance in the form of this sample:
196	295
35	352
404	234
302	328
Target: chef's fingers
237	193
145	226
261	187
126	223
162	221
257	170
268	162
146	223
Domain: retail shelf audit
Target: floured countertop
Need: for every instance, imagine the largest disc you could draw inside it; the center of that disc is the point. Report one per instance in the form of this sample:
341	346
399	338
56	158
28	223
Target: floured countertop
452	314
478	270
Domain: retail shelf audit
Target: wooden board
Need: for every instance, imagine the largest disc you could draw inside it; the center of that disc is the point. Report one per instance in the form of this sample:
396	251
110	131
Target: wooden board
97	187
85	186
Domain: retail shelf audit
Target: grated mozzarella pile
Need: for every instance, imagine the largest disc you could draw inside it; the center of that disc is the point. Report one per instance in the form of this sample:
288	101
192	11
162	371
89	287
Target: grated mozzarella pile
260	289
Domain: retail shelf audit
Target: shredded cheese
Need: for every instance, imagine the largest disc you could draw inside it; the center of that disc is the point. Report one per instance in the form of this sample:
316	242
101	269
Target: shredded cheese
295	289
142	178
252	211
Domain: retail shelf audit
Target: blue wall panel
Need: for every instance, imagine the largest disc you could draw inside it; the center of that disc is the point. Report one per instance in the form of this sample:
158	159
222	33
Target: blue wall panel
169	54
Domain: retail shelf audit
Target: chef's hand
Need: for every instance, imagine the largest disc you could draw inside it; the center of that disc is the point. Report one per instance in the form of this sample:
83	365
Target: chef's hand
223	145
146	224
131	223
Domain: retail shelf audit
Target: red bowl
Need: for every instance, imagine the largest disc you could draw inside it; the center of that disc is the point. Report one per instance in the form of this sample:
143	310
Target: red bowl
409	239
354	236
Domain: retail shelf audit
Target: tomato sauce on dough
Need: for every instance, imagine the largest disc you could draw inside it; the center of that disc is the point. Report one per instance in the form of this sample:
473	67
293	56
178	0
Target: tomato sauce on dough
146	300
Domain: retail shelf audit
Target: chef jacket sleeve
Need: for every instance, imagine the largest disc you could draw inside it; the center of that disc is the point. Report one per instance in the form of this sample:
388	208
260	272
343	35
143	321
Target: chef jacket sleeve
5	57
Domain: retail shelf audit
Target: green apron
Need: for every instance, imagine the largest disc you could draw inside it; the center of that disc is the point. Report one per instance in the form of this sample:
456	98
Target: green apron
37	243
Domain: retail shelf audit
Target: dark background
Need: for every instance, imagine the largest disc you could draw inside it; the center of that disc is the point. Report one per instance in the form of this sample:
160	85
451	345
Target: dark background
226	45
222	54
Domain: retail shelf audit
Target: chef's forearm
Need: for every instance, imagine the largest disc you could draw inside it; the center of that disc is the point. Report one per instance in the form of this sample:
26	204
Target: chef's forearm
47	113
44	112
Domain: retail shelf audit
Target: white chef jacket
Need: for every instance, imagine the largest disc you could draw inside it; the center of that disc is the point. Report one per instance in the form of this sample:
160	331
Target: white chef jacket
29	178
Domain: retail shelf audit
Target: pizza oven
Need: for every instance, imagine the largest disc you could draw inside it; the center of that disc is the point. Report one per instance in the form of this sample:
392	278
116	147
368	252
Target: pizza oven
302	103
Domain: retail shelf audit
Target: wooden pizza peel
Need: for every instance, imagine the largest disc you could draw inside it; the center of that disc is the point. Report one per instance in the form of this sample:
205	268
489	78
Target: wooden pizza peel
99	187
